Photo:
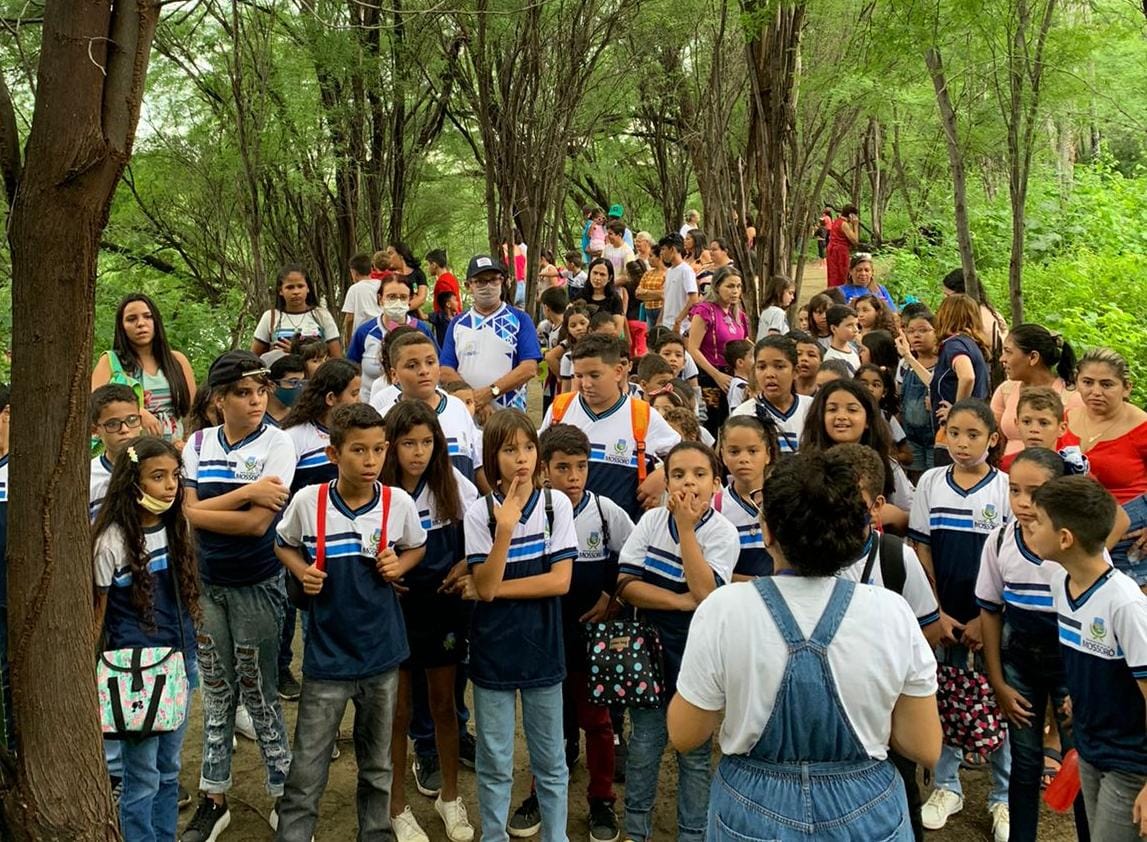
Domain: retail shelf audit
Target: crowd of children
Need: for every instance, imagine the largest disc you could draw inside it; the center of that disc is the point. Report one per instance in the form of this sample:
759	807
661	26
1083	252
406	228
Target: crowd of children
425	547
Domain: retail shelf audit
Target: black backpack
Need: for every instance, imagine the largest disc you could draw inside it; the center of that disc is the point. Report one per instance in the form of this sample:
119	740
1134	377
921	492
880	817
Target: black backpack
892	570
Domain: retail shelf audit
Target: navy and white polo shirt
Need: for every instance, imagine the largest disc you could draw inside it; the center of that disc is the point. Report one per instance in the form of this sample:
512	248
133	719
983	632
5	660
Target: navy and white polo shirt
754	559
790	423
517	643
101	477
354	627
213	467
917	589
463	438
313	465
613	448
1017	582
483	348
954	523
653	554
444	544
125	627
1103	636
602	528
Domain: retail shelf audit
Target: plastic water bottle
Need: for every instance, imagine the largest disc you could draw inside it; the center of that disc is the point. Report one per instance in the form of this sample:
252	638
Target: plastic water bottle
1061	792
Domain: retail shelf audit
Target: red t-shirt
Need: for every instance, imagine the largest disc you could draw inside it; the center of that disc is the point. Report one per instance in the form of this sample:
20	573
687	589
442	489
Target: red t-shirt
447	283
1119	464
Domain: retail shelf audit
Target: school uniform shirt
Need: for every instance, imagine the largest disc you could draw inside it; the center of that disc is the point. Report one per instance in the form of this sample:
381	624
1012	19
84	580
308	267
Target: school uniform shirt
753	559
790	423
361	302
738	391
484	348
463	438
903	491
736	658
444	542
653	554
123	623
1103	637
214	467
383	393
602	528
366	349
613	449
772	320
313	466
955	523
917	589
316	323
100	479
850	357
1016	581
355	628
516	644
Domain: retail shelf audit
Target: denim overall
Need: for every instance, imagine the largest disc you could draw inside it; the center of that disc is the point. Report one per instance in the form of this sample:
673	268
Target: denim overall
808	777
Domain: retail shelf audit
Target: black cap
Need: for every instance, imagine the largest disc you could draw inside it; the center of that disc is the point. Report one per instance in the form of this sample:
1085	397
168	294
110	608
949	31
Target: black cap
233	366
480	263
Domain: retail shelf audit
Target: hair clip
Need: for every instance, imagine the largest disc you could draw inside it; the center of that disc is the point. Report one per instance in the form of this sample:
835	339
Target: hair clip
132	455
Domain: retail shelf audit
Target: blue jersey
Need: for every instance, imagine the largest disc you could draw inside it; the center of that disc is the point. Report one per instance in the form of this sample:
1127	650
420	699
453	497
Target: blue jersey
483	348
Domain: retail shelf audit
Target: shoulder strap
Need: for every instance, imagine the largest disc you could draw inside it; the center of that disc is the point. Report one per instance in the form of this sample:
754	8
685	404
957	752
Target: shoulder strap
385	514
864	576
549	500
560	405
718	500
604	522
321	527
197	442
490	519
639	412
1000	538
892	563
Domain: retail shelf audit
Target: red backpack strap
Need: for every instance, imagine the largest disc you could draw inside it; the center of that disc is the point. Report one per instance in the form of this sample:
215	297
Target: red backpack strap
639	413
560	405
321	528
385	516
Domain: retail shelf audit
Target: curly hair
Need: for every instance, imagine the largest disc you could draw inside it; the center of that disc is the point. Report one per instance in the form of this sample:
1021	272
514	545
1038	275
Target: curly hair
121	509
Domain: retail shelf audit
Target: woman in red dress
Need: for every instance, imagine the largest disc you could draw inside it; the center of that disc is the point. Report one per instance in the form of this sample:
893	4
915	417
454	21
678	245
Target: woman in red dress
844	236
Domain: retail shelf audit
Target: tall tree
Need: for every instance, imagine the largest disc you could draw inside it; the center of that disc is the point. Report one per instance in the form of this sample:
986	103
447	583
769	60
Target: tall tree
90	82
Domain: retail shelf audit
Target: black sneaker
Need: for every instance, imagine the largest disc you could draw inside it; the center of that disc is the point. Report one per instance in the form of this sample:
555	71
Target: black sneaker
184	797
427	774
620	754
602	821
209	821
467	748
527	819
289	687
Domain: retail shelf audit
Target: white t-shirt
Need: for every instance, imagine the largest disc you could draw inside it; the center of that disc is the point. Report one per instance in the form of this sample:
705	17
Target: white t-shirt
618	256
850	357
362	301
772	320
735	658
315	323
680	281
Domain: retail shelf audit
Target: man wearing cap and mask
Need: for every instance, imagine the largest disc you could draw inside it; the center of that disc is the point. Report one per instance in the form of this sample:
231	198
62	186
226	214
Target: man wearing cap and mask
617	212
492	346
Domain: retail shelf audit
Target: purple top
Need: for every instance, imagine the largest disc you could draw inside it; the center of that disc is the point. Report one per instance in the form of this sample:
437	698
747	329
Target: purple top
721	329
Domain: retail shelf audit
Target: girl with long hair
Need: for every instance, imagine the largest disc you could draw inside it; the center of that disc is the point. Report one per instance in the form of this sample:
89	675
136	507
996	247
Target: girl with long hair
296	315
961	369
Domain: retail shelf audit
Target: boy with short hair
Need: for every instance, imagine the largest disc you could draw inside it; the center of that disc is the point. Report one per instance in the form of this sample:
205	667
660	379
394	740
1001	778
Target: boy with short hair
361	302
612	420
1102	616
356	635
602	528
602	322
809	356
115	418
554	302
843	327
574	274
739	359
288	377
670	346
463	391
1041	419
653	373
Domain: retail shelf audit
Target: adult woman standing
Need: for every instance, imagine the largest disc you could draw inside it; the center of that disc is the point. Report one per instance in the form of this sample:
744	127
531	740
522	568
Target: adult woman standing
714	323
296	315
816	676
601	291
844	236
1033	356
1112	433
141	358
992	324
961	369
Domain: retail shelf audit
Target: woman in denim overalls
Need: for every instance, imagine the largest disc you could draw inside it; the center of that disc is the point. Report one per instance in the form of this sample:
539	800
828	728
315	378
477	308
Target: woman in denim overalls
806	767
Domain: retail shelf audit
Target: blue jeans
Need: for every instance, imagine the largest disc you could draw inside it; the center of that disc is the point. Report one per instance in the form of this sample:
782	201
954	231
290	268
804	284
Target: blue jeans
321	708
647	740
494	712
149	805
1109	797
238	659
1035	671
1136	510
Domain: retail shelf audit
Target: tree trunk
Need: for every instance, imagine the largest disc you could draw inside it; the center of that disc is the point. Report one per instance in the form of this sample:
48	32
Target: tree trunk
956	160
93	62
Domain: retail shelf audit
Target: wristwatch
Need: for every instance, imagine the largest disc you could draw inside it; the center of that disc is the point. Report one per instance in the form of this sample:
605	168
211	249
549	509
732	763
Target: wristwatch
495	390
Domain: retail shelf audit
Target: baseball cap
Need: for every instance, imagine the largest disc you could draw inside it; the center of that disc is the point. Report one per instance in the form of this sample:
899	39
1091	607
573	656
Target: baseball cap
480	263
233	366
616	211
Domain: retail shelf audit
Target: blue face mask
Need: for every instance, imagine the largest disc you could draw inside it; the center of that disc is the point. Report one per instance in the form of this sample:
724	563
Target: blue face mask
287	395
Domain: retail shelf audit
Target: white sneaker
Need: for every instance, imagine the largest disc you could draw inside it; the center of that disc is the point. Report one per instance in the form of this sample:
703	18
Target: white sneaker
406	827
941	804
243	723
1001	822
453	815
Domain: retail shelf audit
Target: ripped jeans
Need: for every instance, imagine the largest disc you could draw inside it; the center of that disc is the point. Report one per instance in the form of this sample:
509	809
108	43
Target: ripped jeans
238	661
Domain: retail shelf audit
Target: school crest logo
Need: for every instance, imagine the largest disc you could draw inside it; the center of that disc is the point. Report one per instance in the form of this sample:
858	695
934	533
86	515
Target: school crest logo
619	453
989	517
371	544
594	541
1097	639
248	468
1098	628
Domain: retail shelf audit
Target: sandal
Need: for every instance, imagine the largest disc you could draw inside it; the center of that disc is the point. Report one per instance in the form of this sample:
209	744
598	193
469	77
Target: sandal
1053	760
973	761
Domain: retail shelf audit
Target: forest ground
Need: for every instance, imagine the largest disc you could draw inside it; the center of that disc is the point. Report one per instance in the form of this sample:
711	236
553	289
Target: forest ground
250	804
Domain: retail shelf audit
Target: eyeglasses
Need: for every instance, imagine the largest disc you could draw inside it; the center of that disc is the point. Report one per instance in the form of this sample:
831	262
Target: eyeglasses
113	425
405	299
485	282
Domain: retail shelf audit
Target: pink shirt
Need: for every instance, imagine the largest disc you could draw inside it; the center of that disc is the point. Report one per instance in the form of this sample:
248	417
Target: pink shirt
720	329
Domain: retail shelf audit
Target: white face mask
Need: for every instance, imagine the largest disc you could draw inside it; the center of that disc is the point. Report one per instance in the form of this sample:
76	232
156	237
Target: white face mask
396	310
154	504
